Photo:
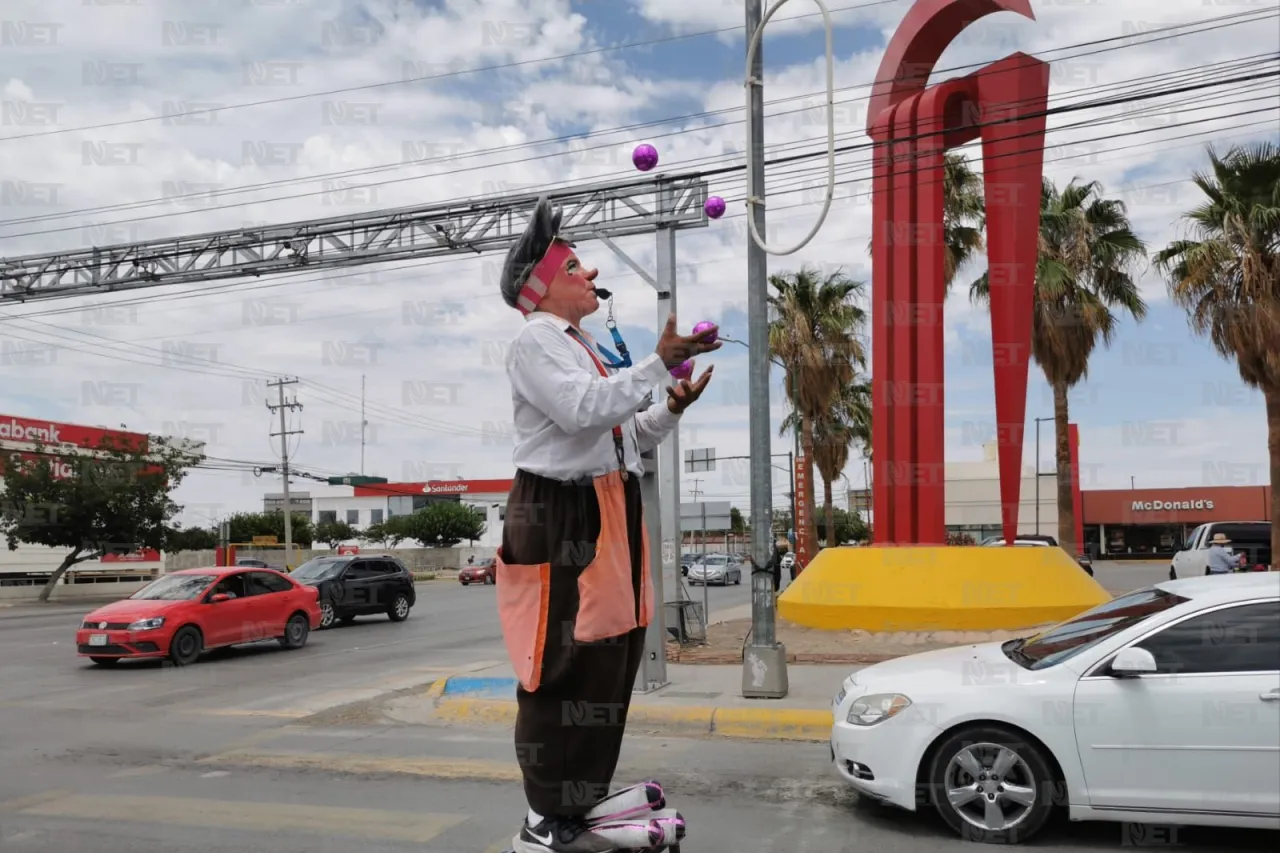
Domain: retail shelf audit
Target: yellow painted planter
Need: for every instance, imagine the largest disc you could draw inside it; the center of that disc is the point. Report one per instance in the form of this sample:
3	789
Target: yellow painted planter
930	588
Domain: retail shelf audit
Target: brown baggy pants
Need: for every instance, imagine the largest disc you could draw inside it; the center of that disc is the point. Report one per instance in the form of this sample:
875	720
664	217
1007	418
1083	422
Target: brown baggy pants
569	729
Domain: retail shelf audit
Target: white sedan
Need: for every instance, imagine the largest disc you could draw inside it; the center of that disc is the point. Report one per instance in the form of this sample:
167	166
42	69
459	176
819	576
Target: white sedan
1159	707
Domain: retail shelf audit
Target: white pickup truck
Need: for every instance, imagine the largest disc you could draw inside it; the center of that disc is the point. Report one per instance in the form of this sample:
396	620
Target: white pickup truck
1251	538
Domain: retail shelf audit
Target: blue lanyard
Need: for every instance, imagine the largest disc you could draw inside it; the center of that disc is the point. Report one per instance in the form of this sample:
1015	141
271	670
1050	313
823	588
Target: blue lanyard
611	360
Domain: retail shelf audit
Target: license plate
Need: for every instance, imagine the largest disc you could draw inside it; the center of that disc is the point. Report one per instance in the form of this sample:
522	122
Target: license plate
97	639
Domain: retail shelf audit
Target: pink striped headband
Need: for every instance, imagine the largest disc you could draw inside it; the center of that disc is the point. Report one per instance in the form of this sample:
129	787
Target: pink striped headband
544	272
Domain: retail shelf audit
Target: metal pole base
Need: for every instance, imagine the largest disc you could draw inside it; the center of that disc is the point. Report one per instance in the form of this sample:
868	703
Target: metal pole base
764	672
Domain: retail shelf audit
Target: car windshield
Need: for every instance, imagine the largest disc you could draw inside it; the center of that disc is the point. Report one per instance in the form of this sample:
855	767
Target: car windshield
716	561
174	588
1072	637
318	569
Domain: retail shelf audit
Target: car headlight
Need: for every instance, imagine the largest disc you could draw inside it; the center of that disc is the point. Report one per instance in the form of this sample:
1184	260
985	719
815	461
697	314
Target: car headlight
147	624
877	708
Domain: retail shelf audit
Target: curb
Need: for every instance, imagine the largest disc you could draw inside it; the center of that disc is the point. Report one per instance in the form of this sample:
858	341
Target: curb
696	656
491	701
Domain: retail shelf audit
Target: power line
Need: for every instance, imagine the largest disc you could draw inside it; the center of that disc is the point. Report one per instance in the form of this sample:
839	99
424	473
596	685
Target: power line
1234	19
1150	93
408	80
287	279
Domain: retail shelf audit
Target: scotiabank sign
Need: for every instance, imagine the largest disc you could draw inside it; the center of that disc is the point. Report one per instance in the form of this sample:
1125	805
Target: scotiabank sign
1166	506
15	430
50	432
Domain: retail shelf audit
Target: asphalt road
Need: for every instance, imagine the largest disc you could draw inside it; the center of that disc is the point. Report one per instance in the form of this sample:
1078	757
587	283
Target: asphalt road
286	752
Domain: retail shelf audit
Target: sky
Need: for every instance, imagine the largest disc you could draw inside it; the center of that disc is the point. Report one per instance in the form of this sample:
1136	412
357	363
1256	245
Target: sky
347	108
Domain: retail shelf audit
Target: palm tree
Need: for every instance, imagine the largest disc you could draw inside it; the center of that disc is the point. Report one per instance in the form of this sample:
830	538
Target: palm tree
1087	249
964	216
815	337
1228	279
835	432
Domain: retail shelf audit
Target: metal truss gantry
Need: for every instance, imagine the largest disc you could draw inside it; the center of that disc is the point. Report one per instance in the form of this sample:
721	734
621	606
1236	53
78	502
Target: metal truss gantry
658	204
605	210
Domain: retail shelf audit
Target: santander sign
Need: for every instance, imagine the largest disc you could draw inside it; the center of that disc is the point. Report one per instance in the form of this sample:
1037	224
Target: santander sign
445	488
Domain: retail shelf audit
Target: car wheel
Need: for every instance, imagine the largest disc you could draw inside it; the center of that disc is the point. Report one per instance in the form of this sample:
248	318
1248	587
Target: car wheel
327	615
296	631
399	609
465	583
186	645
105	661
992	786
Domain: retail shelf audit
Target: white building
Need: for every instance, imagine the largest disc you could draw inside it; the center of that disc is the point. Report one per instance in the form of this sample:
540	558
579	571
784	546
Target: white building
973	498
361	506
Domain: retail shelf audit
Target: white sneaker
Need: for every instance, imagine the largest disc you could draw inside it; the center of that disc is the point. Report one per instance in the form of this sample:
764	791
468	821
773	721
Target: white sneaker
560	835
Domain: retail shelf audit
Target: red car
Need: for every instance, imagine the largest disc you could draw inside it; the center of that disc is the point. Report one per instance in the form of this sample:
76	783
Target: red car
184	613
485	571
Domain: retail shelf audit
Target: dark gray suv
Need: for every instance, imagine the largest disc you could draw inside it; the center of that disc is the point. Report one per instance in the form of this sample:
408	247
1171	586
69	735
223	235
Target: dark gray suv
358	585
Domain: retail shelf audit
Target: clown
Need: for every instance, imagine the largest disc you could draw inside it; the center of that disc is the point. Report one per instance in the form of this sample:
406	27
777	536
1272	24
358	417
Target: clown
573	584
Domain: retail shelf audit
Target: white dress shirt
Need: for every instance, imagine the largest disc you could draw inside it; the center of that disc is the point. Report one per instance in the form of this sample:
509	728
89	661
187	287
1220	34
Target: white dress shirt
565	411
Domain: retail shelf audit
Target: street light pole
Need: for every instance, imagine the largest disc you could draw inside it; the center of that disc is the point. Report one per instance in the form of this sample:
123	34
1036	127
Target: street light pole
1038	420
764	661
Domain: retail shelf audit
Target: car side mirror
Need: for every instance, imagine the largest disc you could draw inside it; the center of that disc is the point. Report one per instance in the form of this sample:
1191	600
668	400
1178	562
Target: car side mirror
219	598
1133	662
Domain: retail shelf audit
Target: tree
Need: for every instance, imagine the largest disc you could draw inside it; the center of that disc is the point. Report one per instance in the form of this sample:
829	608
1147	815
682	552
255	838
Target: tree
334	533
178	539
815	337
964	216
1227	278
1087	251
835	431
737	524
960	538
246	525
443	524
385	534
116	500
849	527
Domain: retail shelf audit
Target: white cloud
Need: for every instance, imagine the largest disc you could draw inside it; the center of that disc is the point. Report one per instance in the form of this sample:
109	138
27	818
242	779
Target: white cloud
437	395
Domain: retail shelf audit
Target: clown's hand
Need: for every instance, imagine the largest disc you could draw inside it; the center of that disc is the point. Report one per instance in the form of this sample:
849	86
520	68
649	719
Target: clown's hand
675	348
684	394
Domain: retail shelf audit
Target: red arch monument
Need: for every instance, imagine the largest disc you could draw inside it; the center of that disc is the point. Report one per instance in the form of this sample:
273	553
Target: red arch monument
913	126
918	583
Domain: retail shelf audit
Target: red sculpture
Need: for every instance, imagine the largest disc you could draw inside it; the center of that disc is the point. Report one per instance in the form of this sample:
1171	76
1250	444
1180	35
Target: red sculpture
1004	104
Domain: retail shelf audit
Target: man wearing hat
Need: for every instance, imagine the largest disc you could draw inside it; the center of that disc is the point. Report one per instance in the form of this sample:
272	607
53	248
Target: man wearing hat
573	585
1220	560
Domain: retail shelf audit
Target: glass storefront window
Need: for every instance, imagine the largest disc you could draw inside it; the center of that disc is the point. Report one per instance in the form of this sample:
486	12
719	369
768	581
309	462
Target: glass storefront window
1139	540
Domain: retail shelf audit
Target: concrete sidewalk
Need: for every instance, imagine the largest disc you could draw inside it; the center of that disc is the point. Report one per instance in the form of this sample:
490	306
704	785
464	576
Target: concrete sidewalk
700	700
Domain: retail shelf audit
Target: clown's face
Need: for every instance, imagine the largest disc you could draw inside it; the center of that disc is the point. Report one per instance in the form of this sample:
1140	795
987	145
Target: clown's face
571	294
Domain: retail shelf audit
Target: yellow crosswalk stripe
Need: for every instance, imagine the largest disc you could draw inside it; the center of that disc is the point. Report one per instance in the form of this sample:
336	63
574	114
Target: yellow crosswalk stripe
412	827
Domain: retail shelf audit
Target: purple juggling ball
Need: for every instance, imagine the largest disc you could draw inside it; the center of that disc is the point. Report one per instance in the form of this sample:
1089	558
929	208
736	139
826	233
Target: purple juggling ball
645	157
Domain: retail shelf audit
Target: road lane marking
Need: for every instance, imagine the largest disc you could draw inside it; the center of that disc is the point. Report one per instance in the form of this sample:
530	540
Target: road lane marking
33	800
436	768
145	770
250	712
412	827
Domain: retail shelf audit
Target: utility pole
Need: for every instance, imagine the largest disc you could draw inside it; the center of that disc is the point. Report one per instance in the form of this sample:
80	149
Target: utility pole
284	434
363	424
764	665
696	492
